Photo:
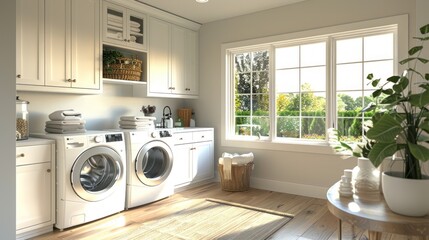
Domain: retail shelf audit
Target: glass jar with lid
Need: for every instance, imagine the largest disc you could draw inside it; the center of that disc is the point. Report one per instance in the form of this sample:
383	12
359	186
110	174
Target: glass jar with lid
22	121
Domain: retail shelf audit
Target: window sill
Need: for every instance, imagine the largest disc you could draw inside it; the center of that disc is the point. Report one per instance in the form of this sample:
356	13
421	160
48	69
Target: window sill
285	146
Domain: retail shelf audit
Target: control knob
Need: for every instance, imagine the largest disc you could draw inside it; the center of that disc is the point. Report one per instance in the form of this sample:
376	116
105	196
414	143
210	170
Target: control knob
154	135
98	139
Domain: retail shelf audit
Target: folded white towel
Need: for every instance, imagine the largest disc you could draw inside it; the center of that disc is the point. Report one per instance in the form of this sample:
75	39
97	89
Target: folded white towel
133	38
137	118
65	115
135	24
114	17
137	127
136	123
135	30
54	130
67	122
114	24
65	127
114	34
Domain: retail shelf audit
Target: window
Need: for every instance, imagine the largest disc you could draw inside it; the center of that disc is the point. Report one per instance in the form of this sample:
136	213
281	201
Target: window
288	89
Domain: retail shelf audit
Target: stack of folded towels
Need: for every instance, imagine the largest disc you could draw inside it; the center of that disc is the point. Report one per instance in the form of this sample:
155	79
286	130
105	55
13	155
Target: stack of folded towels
115	27
65	121
137	122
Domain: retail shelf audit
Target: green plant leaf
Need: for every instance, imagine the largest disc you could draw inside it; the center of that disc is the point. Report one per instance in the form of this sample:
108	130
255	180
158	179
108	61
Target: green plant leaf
401	85
427	76
420	99
418	151
423	60
380	151
375	82
393	98
385	130
424	86
416	72
424	29
376	93
370	76
387	91
393	79
425	125
415	50
368	107
406	60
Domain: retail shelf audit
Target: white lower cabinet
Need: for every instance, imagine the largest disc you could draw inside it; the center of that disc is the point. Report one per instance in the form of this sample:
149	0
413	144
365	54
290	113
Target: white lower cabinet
193	156
35	188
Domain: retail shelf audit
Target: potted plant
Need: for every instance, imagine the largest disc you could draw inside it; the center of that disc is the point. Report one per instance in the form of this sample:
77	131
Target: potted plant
401	128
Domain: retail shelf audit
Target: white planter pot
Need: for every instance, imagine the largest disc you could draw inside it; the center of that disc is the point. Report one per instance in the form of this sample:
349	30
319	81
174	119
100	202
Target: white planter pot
408	197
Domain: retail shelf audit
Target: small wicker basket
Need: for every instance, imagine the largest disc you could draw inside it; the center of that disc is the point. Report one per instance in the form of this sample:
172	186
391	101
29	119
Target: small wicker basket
240	177
124	69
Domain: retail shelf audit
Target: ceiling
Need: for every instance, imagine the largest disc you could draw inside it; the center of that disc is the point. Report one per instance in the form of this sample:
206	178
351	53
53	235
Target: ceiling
215	10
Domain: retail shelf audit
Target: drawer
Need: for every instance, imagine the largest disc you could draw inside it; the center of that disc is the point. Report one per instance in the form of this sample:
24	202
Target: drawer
180	138
33	154
202	136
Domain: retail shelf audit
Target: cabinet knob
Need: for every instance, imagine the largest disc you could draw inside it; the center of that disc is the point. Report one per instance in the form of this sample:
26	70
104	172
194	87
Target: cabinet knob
21	155
48	170
18	76
173	88
74	80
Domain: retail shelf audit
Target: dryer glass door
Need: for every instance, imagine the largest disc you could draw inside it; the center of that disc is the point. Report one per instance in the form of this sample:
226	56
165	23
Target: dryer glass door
154	163
96	173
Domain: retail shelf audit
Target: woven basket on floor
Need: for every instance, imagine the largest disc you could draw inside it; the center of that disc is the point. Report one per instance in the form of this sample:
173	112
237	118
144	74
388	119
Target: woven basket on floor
240	177
124	69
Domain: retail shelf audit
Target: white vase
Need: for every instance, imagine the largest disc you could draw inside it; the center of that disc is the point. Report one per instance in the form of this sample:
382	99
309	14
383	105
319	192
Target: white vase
366	178
408	197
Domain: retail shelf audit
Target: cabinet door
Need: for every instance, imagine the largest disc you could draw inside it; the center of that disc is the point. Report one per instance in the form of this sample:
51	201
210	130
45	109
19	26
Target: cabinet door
72	43
114	23
85	44
30	42
159	56
203	161
33	195
57	33
182	165
136	27
178	59
191	64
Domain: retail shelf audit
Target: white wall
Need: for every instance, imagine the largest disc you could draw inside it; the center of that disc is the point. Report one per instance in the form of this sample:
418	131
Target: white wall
99	111
302	173
7	126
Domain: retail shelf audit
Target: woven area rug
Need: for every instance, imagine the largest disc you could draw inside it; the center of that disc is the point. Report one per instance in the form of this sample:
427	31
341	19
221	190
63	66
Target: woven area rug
212	219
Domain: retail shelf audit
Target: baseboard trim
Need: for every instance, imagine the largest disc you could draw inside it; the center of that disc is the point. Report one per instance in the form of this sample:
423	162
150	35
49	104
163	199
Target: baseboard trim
285	187
288	187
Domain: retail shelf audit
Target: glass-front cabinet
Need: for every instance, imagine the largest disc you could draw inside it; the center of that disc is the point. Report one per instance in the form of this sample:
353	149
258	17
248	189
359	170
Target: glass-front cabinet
123	27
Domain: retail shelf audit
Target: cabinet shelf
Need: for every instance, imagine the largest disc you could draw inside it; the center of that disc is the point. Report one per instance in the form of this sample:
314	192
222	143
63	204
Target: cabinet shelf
123	82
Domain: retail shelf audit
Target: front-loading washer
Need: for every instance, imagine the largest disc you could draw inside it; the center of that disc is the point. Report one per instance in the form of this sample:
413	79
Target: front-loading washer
90	176
149	165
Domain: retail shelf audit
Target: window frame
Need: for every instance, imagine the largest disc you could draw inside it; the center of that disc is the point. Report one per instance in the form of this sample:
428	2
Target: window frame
228	137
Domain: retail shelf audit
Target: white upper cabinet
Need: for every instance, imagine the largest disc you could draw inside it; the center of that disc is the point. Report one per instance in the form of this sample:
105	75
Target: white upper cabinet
172	60
72	54
30	42
58	46
123	27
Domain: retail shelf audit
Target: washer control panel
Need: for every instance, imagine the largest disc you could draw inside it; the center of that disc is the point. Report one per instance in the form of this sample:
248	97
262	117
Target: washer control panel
114	137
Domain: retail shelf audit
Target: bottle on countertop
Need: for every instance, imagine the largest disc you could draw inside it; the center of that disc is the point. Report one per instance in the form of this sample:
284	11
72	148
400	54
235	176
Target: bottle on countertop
192	121
178	122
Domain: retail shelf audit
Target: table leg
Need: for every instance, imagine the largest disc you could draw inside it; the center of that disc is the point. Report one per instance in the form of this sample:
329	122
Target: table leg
372	235
340	229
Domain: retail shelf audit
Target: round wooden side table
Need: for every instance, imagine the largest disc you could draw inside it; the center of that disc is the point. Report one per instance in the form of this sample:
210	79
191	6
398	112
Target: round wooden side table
374	215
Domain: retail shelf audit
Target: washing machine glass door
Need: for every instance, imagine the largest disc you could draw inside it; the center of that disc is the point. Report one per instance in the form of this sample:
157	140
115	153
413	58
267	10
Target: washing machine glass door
96	173
154	163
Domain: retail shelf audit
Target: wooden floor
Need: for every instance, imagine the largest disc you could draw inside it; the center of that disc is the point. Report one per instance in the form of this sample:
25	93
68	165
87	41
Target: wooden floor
312	219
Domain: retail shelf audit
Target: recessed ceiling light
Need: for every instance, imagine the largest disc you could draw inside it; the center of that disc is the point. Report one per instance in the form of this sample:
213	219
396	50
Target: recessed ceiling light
201	1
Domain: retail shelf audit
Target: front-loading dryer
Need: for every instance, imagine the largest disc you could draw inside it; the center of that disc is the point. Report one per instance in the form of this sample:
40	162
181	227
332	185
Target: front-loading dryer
149	165
90	177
